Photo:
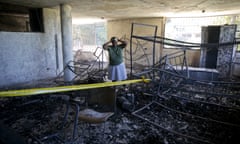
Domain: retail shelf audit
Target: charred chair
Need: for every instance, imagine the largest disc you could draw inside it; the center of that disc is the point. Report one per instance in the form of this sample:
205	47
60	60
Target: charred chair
84	115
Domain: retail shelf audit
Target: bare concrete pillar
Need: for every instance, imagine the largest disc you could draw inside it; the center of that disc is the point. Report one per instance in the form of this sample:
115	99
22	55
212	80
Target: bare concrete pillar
66	27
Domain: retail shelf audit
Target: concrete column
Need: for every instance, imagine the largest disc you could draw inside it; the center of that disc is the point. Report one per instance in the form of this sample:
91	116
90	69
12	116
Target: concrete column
66	27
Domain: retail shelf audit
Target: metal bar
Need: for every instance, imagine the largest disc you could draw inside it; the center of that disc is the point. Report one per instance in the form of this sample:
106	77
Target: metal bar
199	101
131	64
140	24
75	121
199	117
168	130
207	93
154	44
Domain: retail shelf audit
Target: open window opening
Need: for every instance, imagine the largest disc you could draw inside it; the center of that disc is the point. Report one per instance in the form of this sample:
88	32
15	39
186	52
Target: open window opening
88	40
15	18
189	29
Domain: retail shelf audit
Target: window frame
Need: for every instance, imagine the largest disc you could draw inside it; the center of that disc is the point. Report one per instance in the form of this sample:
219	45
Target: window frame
197	23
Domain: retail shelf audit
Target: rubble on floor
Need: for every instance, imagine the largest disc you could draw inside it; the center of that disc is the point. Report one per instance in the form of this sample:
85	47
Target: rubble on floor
182	114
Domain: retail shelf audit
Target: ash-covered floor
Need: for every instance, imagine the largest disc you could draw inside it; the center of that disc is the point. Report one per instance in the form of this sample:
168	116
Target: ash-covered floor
37	119
182	114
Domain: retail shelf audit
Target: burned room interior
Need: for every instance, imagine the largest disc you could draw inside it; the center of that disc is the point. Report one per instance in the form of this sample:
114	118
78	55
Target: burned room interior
183	79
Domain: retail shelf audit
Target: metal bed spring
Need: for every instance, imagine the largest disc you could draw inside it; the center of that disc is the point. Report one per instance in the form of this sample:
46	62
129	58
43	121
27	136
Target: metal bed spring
169	78
139	47
197	116
216	87
201	92
153	111
175	62
205	94
143	113
169	81
81	69
176	58
175	85
230	85
208	111
161	80
165	80
186	97
146	113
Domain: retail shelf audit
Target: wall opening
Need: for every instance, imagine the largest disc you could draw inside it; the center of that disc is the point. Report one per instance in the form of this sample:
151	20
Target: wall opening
88	40
188	29
15	18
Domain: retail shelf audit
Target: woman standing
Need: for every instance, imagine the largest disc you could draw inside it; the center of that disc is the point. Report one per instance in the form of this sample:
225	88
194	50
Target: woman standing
116	69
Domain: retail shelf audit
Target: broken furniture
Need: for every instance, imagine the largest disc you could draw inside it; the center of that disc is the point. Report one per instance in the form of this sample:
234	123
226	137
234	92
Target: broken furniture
90	116
176	62
80	70
86	108
180	93
83	69
181	103
94	117
143	50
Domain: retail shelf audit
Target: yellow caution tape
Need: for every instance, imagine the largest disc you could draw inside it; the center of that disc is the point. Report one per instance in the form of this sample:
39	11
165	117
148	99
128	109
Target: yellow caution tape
36	91
145	80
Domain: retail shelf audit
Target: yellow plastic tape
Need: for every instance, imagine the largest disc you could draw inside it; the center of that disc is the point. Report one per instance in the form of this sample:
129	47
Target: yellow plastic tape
36	91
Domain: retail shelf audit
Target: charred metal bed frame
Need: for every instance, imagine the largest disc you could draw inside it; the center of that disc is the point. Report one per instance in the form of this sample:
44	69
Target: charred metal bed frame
171	80
169	85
